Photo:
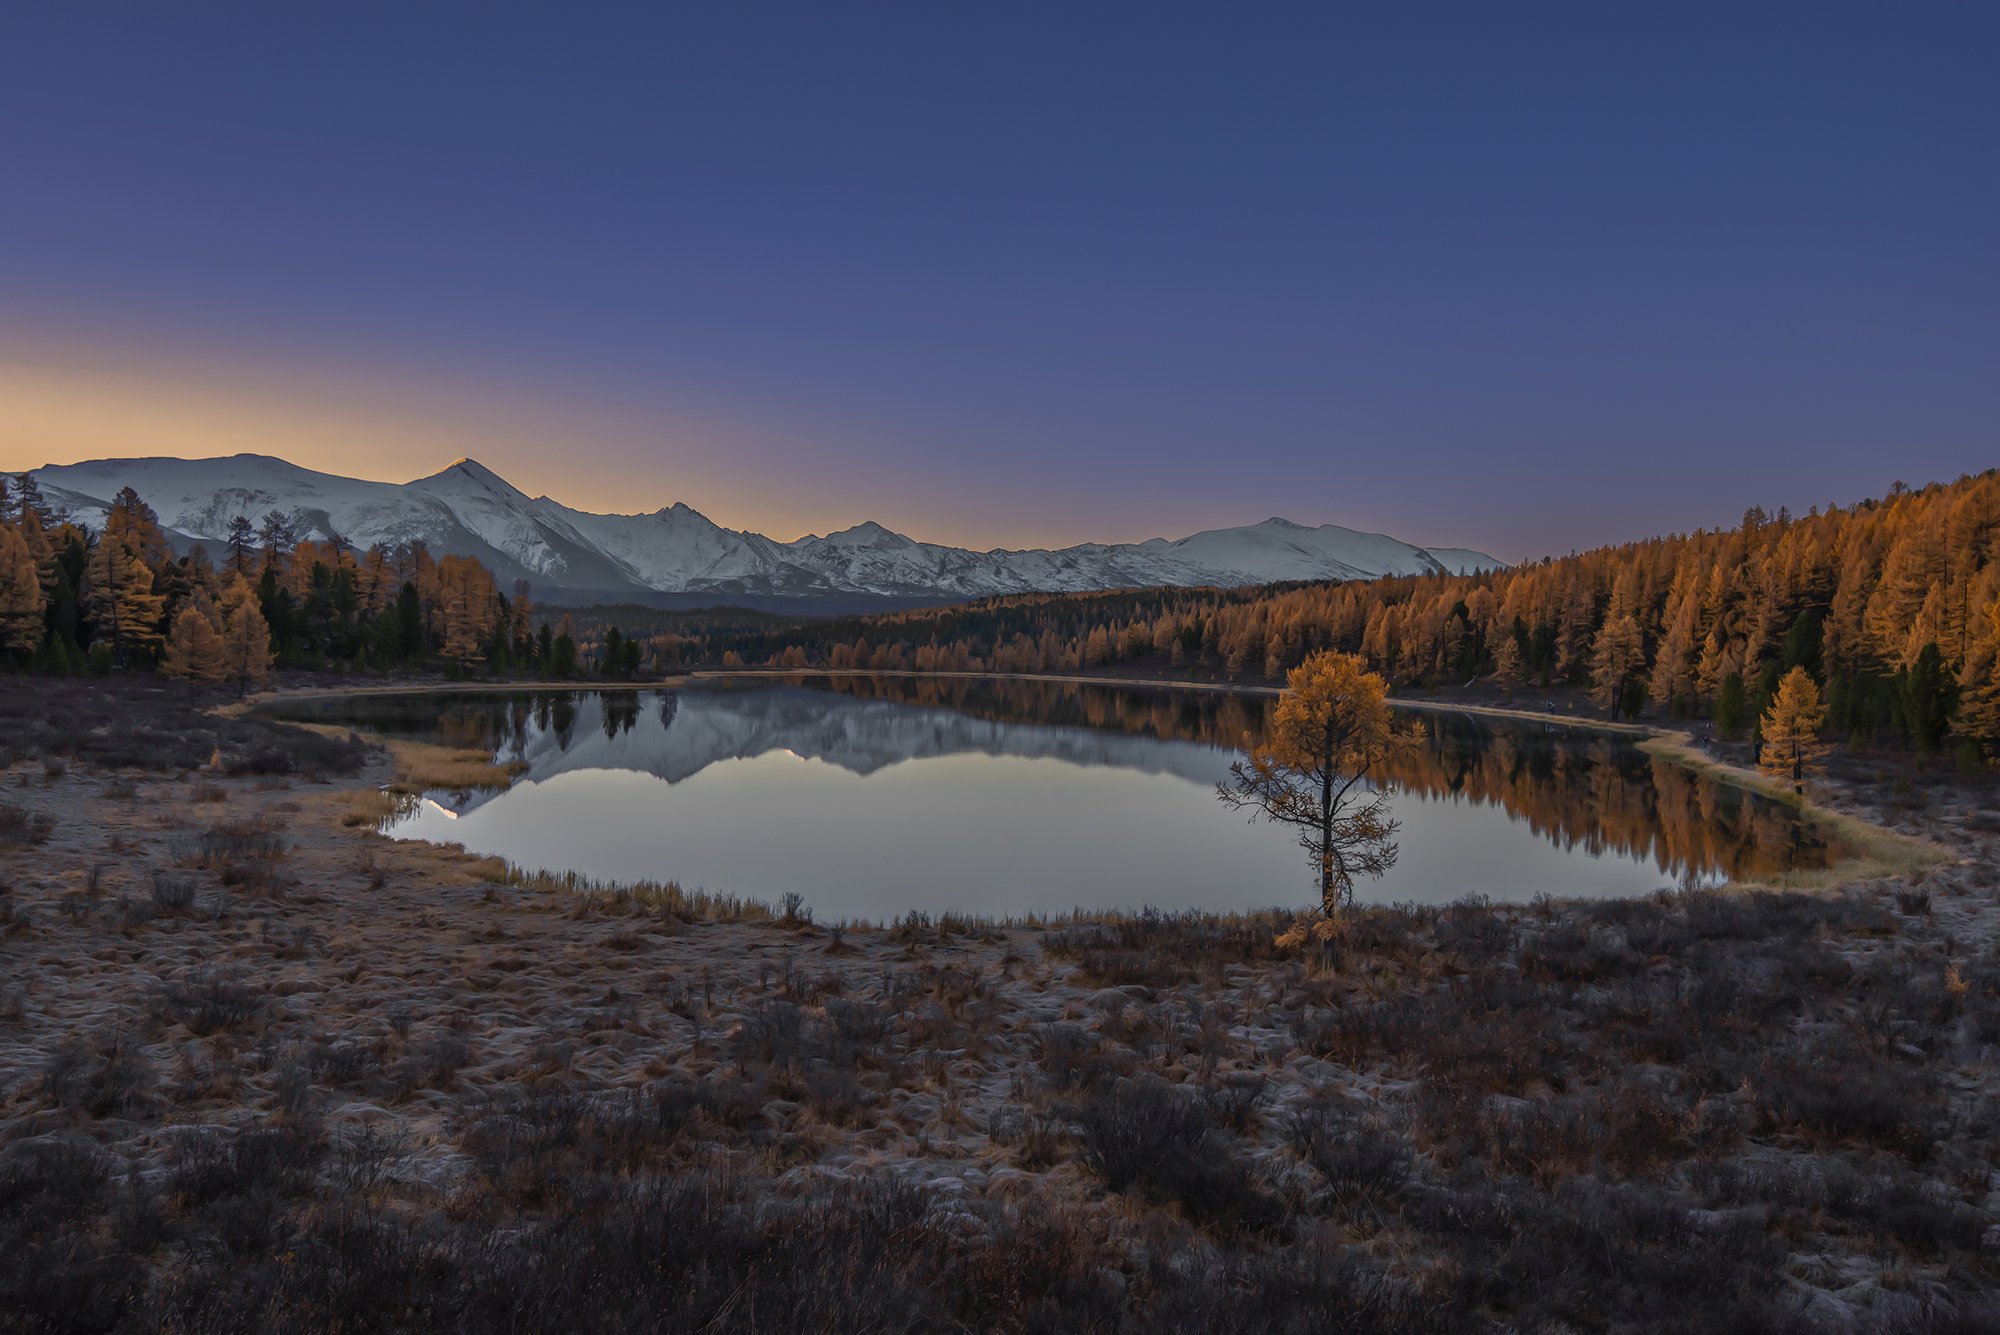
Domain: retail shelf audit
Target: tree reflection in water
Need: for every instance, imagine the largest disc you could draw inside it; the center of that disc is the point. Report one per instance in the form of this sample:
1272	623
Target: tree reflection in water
1573	786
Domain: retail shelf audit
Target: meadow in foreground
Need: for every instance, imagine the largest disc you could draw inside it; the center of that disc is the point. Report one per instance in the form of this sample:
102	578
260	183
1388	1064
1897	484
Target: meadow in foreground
261	1068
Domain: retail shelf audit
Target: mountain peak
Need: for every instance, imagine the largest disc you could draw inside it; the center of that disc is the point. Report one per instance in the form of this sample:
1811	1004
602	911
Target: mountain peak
471	467
468	472
468	509
867	532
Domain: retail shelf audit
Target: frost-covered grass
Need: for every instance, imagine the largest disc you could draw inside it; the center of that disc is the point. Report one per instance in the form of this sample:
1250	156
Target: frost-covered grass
143	723
335	1081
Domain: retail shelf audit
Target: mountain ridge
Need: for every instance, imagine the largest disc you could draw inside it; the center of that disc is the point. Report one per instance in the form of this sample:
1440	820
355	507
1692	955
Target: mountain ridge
468	509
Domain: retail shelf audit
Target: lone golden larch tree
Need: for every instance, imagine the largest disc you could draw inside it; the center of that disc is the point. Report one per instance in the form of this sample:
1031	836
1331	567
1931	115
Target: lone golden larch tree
1331	729
1791	746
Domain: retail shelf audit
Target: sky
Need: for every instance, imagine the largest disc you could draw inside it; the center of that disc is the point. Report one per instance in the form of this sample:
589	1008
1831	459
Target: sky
1524	277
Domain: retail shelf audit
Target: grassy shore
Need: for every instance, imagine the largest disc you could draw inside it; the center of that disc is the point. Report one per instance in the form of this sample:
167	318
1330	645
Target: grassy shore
262	1068
1875	850
424	765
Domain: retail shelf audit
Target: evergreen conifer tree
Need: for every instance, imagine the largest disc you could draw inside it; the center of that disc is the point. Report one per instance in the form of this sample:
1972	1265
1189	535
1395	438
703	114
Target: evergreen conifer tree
1730	706
242	546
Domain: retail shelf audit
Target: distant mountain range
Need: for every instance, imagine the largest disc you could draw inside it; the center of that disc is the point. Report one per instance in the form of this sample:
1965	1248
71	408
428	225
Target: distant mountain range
571	554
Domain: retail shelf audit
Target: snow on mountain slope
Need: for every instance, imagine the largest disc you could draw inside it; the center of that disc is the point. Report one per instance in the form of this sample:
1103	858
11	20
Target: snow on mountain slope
199	497
1276	548
468	509
1463	560
871	557
536	536
677	548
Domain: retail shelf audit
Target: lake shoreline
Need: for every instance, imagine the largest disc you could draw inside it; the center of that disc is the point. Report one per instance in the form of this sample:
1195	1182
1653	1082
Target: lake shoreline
1878	849
404	1015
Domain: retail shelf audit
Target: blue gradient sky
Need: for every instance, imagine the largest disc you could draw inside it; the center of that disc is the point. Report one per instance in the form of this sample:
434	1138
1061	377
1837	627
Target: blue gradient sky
1519	277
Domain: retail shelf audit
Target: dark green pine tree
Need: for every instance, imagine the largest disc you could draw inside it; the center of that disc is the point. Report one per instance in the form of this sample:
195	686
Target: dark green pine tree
241	542
1730	706
1928	699
410	624
1804	644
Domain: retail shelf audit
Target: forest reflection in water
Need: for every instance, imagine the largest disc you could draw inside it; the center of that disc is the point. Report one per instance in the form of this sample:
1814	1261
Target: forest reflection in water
871	795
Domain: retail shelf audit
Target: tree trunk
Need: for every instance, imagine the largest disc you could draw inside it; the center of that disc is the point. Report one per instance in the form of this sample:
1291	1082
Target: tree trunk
1327	903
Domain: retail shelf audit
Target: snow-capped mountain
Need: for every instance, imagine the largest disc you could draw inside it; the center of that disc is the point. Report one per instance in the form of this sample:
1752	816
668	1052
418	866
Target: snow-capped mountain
469	510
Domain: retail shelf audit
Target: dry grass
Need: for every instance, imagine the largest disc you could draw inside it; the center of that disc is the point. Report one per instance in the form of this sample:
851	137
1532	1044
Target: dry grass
661	897
368	809
422	765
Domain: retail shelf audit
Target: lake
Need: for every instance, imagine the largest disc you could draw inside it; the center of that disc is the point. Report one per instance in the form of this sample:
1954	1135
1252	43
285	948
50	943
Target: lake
871	797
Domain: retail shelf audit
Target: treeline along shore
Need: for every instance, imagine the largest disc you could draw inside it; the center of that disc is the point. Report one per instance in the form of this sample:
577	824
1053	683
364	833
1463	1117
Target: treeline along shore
1891	606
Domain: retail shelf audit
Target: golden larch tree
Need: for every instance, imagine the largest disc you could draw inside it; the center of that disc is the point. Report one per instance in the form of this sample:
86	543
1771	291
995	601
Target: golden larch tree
1913	565
470	604
132	524
124	609
1507	663
1331	729
1979	684
246	637
195	649
1791	748
21	601
1620	651
1573	623
1674	665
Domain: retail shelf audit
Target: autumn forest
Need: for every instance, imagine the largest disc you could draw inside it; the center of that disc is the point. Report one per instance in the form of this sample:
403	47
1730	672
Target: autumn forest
72	600
1891	605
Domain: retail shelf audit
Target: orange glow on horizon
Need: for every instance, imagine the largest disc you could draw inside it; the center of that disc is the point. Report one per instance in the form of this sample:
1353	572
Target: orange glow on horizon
58	411
69	401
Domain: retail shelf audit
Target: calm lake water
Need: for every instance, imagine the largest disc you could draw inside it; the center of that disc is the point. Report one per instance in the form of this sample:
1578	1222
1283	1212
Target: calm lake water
874	796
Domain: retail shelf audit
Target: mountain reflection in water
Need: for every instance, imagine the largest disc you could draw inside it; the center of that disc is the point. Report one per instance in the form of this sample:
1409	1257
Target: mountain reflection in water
873	796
